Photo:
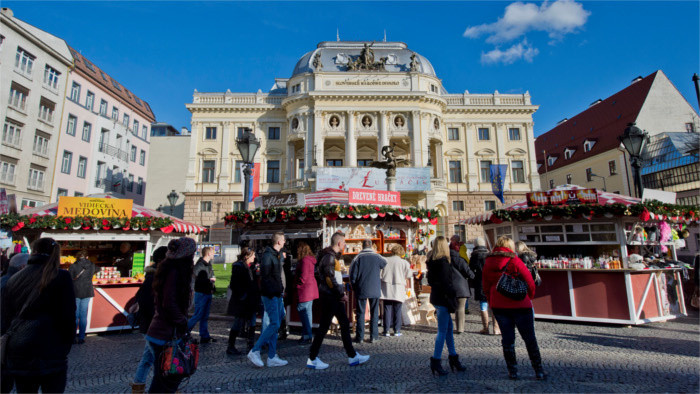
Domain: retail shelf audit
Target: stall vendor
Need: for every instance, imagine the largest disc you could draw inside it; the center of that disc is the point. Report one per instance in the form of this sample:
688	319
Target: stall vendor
124	259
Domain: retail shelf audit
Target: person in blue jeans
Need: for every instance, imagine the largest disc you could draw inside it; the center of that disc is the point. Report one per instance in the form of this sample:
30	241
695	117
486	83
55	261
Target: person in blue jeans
81	271
203	289
365	278
444	297
307	289
271	289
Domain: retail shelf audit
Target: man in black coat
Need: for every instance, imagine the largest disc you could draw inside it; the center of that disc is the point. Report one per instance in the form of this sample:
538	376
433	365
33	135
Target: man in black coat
245	298
203	290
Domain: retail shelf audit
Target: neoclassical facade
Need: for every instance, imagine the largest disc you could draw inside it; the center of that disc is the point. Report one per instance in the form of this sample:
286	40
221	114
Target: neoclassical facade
343	102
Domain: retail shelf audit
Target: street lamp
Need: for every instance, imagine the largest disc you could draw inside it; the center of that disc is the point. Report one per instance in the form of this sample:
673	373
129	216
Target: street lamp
248	146
634	140
605	186
172	199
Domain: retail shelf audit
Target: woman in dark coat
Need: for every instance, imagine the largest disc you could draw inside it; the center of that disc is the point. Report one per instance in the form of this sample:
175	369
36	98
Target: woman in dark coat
245	298
444	297
81	271
38	310
172	288
476	263
512	313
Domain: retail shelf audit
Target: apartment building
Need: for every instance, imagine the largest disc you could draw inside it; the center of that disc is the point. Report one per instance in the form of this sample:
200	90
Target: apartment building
34	69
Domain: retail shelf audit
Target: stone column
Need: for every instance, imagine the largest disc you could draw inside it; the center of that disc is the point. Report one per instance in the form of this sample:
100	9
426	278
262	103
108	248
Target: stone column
415	138
224	176
531	170
290	170
318	137
350	142
438	161
308	149
383	134
192	176
501	135
472	165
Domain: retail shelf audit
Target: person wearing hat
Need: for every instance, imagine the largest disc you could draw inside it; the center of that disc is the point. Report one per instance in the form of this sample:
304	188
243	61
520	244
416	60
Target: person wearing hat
172	288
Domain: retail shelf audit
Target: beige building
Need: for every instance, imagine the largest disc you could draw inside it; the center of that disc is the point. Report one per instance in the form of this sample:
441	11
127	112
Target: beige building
584	150
34	69
343	102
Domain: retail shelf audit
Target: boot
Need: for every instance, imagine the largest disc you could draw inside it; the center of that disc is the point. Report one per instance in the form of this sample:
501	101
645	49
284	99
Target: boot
436	367
496	329
534	352
511	361
138	387
231	350
484	323
455	364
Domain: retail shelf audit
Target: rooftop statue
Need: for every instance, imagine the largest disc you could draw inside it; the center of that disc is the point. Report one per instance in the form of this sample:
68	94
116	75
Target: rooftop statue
365	61
317	62
414	62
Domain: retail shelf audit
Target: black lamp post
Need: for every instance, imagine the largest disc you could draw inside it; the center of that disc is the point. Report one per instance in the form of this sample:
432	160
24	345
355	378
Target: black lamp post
634	140
172	199
248	146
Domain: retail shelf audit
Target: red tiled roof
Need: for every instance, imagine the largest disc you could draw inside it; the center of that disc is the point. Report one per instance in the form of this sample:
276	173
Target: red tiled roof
602	122
90	70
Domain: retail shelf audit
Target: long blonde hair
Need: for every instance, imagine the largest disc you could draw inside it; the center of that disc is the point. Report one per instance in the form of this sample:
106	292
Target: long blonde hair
442	249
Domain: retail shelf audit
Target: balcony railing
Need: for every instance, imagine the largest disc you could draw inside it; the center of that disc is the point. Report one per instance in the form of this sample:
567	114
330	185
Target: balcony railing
437	183
113	151
295	184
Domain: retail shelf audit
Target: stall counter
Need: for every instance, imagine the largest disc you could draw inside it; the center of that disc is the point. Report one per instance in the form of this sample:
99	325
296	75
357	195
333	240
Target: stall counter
108	309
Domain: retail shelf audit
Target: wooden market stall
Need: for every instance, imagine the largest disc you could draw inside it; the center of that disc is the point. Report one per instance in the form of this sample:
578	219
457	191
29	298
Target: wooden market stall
105	239
585	239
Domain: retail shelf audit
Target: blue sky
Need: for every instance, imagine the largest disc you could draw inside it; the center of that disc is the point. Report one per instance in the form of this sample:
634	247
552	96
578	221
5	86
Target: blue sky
566	54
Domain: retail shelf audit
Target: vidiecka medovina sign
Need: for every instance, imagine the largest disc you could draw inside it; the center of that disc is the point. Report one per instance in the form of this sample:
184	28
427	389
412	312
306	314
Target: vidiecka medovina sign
96	207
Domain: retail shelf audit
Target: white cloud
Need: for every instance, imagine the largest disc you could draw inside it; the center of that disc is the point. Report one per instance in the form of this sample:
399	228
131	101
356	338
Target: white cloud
557	19
518	51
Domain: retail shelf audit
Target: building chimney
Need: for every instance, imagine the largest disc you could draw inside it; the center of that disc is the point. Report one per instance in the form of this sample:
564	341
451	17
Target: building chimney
7	12
595	102
562	121
639	78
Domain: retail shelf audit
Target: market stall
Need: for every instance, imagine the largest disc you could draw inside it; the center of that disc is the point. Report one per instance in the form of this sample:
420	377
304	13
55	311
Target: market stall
117	235
603	257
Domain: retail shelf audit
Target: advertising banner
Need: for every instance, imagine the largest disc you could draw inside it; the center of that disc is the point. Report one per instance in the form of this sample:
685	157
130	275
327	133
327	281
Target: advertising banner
374	197
97	207
345	178
562	197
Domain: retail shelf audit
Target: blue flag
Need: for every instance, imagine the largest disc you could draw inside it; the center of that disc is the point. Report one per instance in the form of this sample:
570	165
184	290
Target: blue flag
498	179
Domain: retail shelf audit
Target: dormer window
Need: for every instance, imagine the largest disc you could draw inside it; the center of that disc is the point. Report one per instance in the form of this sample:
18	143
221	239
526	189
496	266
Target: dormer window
296	88
568	152
551	160
588	145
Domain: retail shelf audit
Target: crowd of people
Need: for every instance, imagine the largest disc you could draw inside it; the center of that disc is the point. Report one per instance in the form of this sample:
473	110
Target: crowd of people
43	306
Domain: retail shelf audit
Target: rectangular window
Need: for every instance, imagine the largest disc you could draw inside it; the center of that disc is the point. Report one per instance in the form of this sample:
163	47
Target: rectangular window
67	161
103	107
75	92
458	205
484	134
116	85
41	145
364	163
133	153
334	163
568	153
12	134
136	127
300	169
142	157
87	131
453	134
238	205
61	193
205	206
485	171
273	171
104	139
125	120
77	194
210	133
208	170
46	111
237	171
588	174
455	168
489	205
690	127
115	114
18	97
144	131
273	133
82	165
139	186
460	230
551	183
24	61
239	133
72	124
51	77
7	173
518	172
514	134
612	166
36	179
568	179
130	184
89	100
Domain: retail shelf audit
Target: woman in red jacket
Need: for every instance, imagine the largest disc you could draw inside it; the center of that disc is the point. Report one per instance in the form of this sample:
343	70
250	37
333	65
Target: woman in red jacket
511	313
307	289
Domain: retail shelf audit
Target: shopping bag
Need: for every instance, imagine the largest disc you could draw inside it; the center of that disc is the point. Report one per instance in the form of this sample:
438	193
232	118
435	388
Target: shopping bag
180	357
511	285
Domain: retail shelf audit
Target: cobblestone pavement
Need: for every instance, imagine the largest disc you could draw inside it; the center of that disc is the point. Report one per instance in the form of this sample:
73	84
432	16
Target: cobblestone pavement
658	357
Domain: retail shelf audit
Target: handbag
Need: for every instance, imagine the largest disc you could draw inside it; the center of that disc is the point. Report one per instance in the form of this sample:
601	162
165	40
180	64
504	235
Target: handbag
13	327
511	285
180	357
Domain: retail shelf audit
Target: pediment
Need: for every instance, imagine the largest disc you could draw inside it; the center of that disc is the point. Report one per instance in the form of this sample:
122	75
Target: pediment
485	152
516	152
334	151
365	151
208	152
273	152
454	152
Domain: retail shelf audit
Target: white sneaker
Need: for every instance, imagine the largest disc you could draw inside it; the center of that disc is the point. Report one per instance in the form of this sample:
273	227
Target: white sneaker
254	358
387	335
276	362
358	359
316	364
398	334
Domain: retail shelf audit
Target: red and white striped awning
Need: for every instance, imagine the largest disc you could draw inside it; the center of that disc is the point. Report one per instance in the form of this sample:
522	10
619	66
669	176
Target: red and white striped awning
604	198
327	196
179	225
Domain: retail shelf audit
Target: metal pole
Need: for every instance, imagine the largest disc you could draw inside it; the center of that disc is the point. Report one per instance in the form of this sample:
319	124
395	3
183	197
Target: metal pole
247	172
637	166
697	88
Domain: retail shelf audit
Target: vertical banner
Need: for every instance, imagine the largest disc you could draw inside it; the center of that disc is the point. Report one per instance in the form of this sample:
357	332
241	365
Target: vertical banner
498	179
254	185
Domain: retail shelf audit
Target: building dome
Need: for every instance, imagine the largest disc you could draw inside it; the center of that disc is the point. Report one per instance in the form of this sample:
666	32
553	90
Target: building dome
336	55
